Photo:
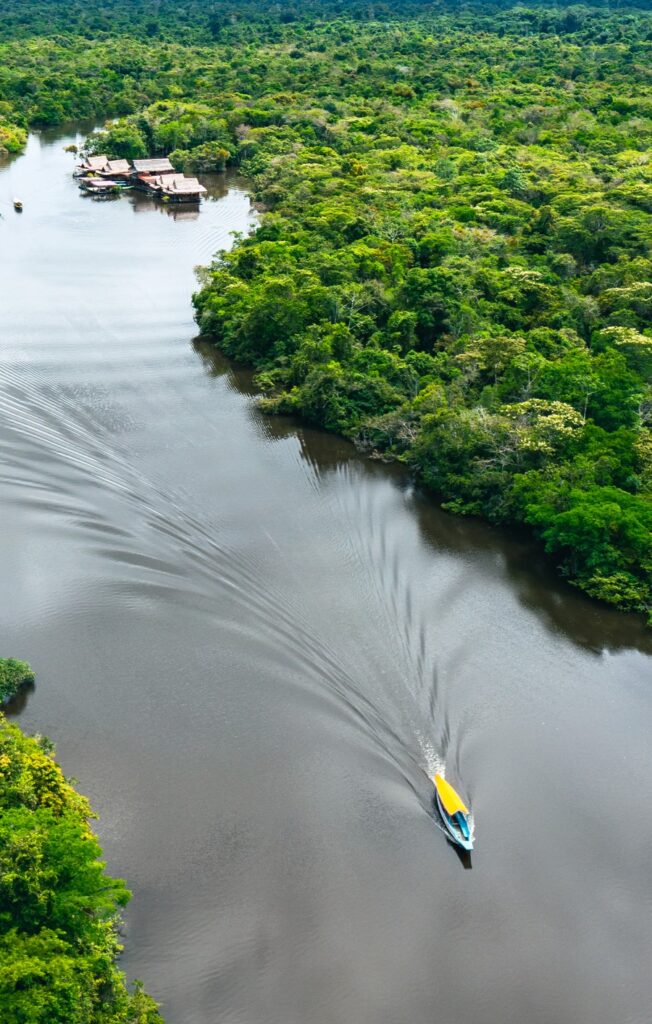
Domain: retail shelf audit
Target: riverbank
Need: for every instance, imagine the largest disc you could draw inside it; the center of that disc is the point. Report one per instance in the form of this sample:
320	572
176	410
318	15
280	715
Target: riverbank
455	268
60	920
291	619
464	292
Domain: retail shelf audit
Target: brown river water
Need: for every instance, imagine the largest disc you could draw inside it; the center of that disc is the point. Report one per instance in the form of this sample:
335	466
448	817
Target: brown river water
253	645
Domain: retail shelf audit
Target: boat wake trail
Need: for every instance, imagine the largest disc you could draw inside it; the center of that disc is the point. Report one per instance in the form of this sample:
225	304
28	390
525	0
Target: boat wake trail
389	554
72	452
67	451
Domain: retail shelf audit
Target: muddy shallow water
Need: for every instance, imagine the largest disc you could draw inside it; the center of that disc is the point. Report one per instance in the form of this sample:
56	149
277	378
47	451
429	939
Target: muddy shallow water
251	645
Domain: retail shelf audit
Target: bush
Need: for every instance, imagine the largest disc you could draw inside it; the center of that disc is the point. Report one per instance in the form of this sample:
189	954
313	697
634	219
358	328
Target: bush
13	675
59	910
12	138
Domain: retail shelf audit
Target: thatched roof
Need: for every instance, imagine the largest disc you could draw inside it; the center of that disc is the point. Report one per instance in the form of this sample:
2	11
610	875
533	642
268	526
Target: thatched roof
96	163
118	166
167	180
187	186
156	166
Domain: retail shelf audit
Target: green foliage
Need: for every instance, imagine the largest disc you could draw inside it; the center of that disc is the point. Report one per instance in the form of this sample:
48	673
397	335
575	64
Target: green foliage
453	261
13	675
12	138
122	141
210	156
198	139
458	281
58	908
603	535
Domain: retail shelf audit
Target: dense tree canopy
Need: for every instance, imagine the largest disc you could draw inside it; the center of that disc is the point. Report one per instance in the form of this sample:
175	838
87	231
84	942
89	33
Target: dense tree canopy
453	264
58	908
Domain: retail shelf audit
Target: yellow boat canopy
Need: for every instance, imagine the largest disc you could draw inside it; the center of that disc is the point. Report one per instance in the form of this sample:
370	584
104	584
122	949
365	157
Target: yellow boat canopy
449	798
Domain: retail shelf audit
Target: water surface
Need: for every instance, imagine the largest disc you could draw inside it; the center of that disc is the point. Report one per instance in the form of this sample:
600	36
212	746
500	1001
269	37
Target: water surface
252	645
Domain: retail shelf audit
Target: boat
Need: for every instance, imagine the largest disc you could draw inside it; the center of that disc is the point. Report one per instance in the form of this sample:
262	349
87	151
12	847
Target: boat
101	187
18	205
454	813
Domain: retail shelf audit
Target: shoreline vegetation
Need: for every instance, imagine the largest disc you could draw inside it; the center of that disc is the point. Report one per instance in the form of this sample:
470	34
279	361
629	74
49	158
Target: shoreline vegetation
14	674
452	266
59	910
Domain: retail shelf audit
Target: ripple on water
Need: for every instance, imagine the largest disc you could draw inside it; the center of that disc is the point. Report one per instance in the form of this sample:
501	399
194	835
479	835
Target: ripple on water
254	647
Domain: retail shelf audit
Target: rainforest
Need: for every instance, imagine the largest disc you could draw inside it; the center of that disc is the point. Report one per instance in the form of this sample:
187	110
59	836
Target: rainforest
256	644
452	266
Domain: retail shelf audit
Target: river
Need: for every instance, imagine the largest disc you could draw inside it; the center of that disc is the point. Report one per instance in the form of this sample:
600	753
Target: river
251	646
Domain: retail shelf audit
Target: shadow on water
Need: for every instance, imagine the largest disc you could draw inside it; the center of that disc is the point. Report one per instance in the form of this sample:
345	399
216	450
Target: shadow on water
464	857
14	707
517	558
511	554
239	378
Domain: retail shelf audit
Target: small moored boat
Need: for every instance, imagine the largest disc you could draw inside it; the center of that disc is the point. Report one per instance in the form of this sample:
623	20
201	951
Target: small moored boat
18	205
101	187
454	813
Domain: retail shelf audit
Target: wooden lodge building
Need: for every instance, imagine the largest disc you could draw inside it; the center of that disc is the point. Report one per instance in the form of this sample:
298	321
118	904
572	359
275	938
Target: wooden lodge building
100	165
155	176
173	187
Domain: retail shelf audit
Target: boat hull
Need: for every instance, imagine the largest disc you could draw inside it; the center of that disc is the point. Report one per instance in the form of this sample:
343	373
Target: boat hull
453	830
